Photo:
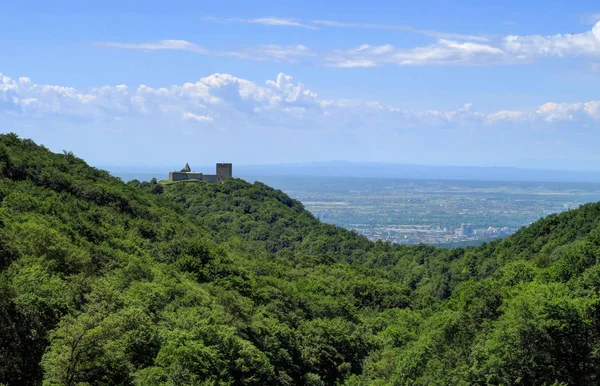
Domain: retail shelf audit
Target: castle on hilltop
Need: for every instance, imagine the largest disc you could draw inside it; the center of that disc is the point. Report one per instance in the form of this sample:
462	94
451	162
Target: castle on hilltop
223	173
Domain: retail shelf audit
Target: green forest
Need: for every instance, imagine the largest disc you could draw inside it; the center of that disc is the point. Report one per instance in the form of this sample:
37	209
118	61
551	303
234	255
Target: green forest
104	282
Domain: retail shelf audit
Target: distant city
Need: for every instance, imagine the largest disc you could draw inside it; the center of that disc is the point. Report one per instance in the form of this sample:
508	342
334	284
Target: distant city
436	212
445	213
425	234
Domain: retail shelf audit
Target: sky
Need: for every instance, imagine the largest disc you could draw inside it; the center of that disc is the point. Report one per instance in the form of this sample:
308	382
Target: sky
477	83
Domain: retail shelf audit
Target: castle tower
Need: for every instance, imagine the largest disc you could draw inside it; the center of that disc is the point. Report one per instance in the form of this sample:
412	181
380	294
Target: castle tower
224	171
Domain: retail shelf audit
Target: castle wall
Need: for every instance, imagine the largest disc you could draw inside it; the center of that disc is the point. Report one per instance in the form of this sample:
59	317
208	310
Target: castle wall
223	173
194	176
211	178
182	176
177	176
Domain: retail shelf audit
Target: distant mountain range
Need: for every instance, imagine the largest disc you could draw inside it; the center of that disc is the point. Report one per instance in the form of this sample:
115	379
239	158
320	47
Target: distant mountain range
378	170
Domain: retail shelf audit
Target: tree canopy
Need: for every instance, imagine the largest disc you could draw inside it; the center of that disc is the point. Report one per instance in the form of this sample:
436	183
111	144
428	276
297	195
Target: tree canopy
104	282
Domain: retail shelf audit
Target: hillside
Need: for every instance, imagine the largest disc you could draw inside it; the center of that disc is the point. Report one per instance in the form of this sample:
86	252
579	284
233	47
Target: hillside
104	282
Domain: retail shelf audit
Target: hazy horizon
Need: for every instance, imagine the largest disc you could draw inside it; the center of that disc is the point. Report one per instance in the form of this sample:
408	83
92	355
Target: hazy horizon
176	166
432	83
370	170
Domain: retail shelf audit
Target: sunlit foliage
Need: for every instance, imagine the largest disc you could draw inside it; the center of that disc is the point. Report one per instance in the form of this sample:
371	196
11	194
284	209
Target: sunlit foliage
104	283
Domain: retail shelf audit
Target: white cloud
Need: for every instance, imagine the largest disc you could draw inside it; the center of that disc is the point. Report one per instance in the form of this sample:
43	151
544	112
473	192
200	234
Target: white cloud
432	33
584	44
273	21
267	21
449	49
270	52
292	92
195	117
350	63
513	49
221	96
443	52
507	115
179	45
558	111
232	102
553	112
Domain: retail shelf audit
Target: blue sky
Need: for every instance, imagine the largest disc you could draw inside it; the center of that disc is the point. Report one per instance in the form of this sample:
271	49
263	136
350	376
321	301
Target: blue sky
508	83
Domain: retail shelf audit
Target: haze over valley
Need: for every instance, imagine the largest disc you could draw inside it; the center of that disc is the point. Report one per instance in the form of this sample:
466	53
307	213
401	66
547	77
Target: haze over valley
414	211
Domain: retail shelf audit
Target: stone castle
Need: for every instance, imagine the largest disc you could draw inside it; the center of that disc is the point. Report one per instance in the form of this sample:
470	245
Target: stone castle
223	173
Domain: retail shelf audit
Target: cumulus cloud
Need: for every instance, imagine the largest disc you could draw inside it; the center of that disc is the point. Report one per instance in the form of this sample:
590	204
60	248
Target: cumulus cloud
584	44
552	111
292	92
217	95
23	96
506	115
230	101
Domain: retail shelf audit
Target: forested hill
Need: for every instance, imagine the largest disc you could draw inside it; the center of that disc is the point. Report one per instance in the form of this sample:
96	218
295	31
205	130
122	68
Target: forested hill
106	283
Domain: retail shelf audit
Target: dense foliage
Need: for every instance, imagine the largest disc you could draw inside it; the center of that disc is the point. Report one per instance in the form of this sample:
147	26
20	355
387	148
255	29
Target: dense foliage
104	283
